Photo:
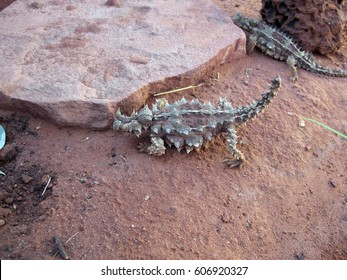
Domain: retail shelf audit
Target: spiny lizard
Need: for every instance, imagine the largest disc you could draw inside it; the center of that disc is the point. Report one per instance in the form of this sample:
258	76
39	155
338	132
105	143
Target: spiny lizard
188	125
276	44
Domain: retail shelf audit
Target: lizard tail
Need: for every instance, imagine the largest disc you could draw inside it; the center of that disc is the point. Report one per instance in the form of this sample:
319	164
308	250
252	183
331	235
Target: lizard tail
333	72
327	72
253	109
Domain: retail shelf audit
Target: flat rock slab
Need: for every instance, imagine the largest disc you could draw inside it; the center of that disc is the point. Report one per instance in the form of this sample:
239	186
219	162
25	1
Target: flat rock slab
74	62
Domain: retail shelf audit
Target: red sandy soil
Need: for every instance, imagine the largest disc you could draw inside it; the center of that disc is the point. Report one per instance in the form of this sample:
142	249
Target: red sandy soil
289	201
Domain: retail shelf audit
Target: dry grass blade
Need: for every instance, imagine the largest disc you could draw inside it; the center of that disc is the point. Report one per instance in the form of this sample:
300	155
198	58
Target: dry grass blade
49	180
177	90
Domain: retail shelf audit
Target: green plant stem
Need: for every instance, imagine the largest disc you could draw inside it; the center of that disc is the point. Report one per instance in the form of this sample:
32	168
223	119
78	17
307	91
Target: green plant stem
327	127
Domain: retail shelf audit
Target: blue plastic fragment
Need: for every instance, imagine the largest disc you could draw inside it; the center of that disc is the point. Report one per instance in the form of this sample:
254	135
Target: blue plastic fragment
2	137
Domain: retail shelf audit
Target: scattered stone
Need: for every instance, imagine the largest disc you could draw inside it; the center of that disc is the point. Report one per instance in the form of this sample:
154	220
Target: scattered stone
83	180
3	195
333	183
9	200
26	179
2	223
26	166
317	25
70	7
36	5
226	218
44	180
8	152
300	256
301	123
20	229
78	68
113	3
308	148
5	212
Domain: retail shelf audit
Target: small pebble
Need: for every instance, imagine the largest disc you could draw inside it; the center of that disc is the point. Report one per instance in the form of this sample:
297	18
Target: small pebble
5	212
300	256
70	7
44	180
3	195
26	179
2	223
9	200
115	3
36	5
333	183
301	123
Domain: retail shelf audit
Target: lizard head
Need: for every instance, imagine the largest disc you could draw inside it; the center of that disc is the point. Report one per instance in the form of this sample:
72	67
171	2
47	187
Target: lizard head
245	23
135	123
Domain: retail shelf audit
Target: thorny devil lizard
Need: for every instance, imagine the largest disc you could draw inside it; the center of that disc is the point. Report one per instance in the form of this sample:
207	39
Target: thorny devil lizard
277	44
189	125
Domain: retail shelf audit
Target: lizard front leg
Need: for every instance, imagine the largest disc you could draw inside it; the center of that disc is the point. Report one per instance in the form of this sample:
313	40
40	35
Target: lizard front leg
251	43
291	61
156	148
232	141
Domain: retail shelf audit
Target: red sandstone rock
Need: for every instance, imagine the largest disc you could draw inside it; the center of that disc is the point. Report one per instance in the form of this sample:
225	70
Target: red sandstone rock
74	67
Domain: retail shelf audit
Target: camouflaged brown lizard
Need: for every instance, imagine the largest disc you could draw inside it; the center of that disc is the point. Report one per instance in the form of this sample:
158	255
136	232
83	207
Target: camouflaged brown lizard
276	44
189	125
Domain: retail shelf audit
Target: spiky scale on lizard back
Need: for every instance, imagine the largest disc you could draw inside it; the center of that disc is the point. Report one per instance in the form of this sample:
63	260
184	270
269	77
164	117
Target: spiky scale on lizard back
188	125
277	44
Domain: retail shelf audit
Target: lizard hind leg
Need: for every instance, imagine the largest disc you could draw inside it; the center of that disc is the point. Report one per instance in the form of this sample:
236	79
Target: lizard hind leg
239	158
156	148
291	61
251	42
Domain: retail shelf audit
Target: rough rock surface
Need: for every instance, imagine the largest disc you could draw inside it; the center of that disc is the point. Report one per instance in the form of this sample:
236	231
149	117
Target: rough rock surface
318	26
74	62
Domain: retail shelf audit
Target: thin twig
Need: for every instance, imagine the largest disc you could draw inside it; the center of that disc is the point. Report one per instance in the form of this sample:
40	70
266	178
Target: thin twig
123	158
49	180
177	90
84	140
71	237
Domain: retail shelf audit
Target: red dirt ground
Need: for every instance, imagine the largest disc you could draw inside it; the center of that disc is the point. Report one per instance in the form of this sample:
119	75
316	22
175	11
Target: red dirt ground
289	201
